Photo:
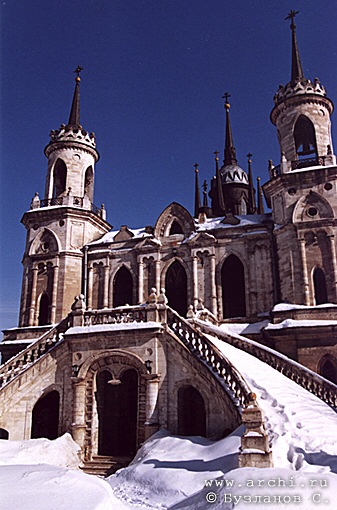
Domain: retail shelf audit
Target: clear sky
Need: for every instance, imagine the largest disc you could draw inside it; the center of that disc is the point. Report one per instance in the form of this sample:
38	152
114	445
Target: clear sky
151	90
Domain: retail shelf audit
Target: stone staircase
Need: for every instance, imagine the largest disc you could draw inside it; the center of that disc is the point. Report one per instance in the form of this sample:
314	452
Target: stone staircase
104	465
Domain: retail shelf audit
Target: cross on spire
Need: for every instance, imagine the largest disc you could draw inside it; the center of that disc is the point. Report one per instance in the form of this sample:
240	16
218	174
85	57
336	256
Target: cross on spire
78	71
296	66
291	16
226	96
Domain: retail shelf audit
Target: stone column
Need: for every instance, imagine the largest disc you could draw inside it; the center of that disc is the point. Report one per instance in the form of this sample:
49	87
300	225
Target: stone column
213	286
78	412
334	264
90	284
305	272
33	296
152	414
140	281
158	286
195	280
54	292
106	283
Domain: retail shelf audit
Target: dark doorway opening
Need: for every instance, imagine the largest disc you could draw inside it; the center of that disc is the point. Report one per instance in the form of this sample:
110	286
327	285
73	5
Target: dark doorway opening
44	310
117	407
321	295
176	288
123	288
191	412
233	288
328	370
45	417
4	434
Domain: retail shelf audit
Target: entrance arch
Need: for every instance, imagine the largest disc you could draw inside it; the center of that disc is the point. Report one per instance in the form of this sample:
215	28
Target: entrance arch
328	369
176	288
117	404
191	412
233	288
122	288
45	416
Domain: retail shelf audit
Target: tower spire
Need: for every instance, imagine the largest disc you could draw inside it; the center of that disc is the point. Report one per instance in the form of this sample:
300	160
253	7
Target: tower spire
251	190
74	117
229	153
221	201
296	65
260	206
197	204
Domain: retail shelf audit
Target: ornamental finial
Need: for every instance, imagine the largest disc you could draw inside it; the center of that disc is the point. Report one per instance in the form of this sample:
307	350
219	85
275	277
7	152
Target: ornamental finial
78	72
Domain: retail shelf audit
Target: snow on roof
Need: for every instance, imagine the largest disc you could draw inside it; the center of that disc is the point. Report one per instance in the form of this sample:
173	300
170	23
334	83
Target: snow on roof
296	323
281	307
216	223
138	233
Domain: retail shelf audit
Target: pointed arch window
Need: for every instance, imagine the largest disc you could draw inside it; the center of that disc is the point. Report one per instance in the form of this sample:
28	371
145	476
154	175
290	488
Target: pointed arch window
305	138
233	288
60	178
176	228
328	368
44	309
176	288
123	288
320	290
89	183
191	412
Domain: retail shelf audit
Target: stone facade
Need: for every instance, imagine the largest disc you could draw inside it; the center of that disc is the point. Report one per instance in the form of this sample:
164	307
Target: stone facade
230	261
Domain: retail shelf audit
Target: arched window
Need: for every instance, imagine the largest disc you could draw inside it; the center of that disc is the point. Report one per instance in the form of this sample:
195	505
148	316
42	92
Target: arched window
123	288
176	228
4	434
89	183
328	369
60	178
233	288
176	288
243	208
305	139
45	417
191	412
320	291
117	408
44	310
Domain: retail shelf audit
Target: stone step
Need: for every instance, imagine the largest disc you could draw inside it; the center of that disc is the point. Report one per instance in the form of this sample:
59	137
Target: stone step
104	465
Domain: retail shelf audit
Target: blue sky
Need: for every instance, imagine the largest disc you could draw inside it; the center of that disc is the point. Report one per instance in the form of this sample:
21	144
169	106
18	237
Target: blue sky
154	75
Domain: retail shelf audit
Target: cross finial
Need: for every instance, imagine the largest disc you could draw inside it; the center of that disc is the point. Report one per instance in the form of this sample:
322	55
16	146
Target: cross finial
204	186
226	96
196	166
249	155
216	155
78	71
291	16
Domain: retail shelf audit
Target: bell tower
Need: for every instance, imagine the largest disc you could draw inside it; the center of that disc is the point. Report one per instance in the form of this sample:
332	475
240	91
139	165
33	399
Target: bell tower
62	223
302	190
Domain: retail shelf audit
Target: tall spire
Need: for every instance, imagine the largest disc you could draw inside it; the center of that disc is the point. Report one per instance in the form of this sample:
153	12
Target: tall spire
260	206
296	66
251	190
229	153
74	117
197	204
221	201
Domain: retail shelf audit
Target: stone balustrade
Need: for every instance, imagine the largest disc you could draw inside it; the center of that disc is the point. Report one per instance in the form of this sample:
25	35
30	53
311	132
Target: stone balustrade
16	365
309	380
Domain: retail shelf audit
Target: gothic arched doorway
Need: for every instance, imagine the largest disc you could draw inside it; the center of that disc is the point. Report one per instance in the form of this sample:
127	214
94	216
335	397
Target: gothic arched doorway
328	369
122	288
44	309
45	416
176	288
233	288
117	406
321	295
191	412
305	138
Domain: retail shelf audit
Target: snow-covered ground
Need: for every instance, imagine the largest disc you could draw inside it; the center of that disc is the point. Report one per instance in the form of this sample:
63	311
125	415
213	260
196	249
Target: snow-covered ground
170	472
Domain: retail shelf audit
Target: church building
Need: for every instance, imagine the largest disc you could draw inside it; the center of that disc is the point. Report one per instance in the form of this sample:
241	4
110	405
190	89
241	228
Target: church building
112	342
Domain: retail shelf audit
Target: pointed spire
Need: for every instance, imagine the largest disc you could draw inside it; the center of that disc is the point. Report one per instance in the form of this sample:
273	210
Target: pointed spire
296	66
74	117
260	205
197	192
229	153
204	193
251	190
221	202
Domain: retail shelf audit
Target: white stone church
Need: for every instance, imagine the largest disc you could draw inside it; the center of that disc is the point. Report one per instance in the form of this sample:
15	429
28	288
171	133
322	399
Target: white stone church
112	341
